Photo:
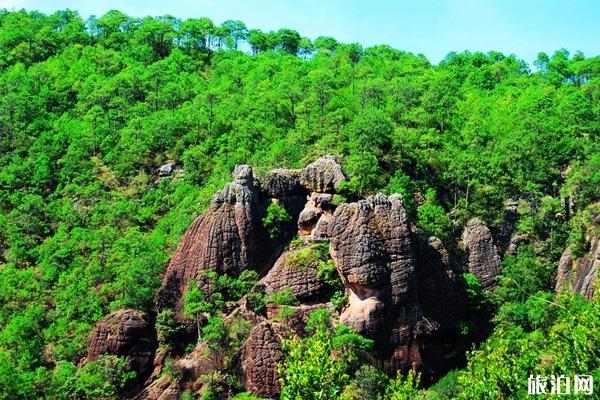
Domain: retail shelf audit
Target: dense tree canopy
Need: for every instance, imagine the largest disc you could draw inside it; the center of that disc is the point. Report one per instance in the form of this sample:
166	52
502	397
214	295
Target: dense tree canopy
89	109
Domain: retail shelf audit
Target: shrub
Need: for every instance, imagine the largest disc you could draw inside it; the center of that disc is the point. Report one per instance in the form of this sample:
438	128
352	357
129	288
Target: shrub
274	220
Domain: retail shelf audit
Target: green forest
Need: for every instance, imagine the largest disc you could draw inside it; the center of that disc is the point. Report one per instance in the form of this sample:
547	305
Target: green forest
91	109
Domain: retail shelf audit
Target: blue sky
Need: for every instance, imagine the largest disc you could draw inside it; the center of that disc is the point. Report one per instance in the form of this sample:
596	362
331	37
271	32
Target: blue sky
431	27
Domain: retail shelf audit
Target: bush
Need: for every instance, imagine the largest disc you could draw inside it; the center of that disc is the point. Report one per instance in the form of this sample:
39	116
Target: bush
274	220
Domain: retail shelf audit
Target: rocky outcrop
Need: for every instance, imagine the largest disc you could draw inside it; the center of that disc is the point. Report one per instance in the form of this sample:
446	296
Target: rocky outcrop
261	357
282	182
227	238
128	333
483	259
579	275
371	247
322	176
316	217
297	269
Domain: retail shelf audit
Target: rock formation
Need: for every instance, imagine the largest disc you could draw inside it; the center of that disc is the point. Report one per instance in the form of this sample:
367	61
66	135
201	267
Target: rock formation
127	333
261	356
372	249
402	288
483	259
297	269
579	275
227	238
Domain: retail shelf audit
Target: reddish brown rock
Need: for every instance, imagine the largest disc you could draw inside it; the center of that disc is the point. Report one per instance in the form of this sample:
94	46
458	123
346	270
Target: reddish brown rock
296	269
128	333
580	275
227	238
483	259
371	247
261	357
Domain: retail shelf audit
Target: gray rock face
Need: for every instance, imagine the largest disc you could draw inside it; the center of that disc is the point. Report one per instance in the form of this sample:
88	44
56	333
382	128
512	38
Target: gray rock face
579	275
127	333
166	169
282	182
227	238
483	259
322	176
371	247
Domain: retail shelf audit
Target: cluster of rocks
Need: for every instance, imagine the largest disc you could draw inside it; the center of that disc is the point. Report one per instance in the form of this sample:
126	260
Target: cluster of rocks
402	286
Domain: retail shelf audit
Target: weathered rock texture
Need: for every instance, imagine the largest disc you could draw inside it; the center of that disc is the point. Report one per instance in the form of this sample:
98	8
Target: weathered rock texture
483	259
297	269
316	217
227	238
127	333
261	356
372	249
579	275
322	176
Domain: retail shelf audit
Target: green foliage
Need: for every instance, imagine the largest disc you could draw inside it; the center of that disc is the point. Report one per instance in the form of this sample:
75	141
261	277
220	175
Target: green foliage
328	274
432	218
311	370
89	109
403	387
567	343
166	326
283	297
304	257
214	332
274	220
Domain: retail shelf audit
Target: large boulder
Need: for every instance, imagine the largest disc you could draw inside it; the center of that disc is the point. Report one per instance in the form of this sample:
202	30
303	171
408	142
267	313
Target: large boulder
228	238
316	217
296	269
322	176
127	333
372	250
483	259
260	359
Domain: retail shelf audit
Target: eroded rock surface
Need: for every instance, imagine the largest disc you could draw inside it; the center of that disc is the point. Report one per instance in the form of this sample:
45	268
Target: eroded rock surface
371	247
297	269
579	275
483	259
261	356
128	333
227	238
322	176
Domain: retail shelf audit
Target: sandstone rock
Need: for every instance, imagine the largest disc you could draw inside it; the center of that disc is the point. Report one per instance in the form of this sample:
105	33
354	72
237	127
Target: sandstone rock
371	247
580	275
261	356
128	333
483	259
322	176
297	269
316	217
564	271
282	182
515	242
227	238
507	227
